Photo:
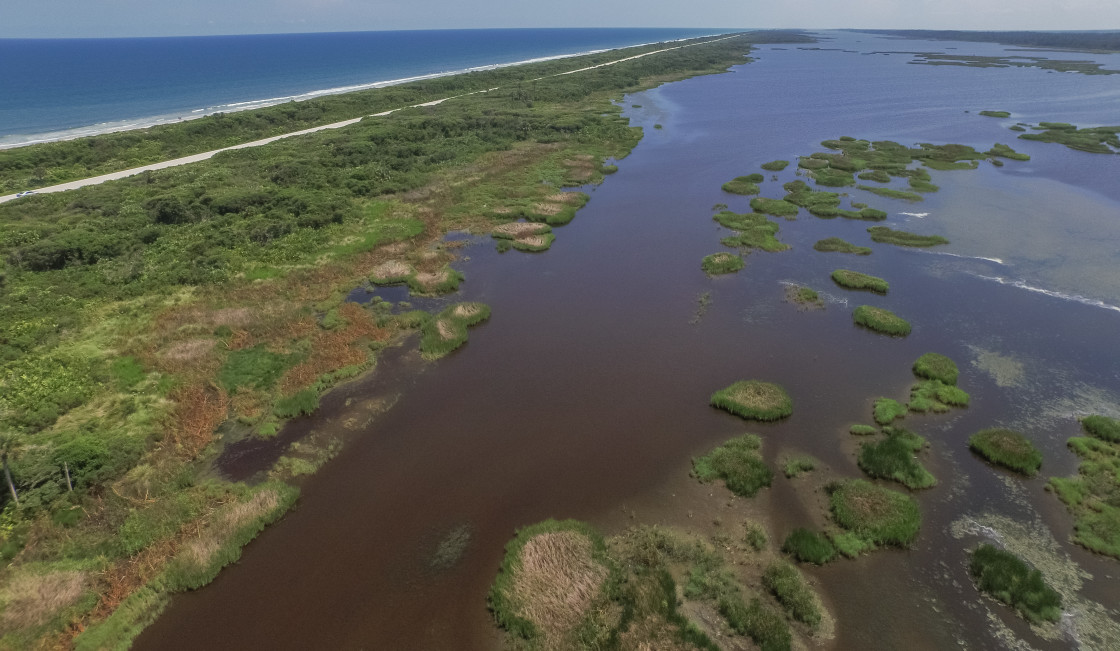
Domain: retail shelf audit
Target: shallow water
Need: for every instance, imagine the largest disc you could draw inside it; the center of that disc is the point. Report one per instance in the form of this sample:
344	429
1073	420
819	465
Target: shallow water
588	387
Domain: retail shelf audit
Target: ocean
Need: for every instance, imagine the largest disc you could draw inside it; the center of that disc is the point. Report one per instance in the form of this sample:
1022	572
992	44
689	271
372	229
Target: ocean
65	88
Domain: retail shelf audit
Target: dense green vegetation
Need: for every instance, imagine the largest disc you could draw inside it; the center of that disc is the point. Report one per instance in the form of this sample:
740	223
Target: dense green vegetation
809	547
790	589
754	400
996	114
1105	41
933	366
891	193
1003	151
859	429
743	184
798	464
775	165
1095	140
838	245
936	396
738	463
140	315
753	230
894	458
721	263
881	320
887	235
1093	496
1007	448
887	410
1006	577
775	207
804	296
447	330
856	280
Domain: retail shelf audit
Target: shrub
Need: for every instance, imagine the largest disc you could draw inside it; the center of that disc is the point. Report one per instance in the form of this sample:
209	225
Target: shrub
881	320
933	366
1007	448
738	463
301	403
789	587
857	280
809	547
1004	576
754	400
876	514
721	263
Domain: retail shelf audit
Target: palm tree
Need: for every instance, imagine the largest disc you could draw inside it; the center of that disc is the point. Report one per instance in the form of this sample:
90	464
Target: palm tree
9	443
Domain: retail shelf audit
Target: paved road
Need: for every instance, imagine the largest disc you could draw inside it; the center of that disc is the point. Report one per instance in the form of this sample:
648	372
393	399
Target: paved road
186	160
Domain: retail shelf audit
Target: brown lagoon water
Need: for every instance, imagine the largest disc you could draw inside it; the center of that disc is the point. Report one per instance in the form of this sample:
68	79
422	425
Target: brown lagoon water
585	395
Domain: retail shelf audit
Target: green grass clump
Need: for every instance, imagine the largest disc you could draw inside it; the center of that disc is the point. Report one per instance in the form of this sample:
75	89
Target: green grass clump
753	230
936	396
887	410
857	280
887	235
876	514
775	207
891	193
933	366
881	320
1007	578
1102	427
792	592
755	536
809	547
757	621
849	544
948	166
866	214
996	114
721	263
893	458
447	330
743	184
738	463
838	245
859	429
805	296
1003	151
796	465
754	400
1007	448
301	403
879	176
775	165
1093	496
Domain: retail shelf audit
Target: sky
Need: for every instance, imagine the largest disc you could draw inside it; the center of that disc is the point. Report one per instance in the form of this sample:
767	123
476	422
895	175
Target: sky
115	18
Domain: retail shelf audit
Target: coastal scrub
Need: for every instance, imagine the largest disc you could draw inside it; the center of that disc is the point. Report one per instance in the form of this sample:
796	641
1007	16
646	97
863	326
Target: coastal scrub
1093	496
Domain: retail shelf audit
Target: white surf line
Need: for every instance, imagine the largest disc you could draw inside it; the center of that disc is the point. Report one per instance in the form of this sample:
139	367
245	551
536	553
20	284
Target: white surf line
1076	298
195	158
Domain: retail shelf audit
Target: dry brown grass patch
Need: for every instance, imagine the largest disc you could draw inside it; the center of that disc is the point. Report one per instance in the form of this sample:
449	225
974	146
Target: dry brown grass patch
547	209
521	229
466	311
557	582
431	279
758	396
188	350
33	599
391	269
198	411
564	197
335	349
533	240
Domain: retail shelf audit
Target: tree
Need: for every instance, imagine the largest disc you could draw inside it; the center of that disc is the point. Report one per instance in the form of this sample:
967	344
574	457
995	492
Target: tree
9	443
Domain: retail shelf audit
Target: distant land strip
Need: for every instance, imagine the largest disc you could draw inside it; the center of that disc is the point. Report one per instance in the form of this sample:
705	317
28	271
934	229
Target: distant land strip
1078	41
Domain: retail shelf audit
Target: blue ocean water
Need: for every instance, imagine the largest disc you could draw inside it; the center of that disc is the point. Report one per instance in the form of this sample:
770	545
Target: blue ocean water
67	87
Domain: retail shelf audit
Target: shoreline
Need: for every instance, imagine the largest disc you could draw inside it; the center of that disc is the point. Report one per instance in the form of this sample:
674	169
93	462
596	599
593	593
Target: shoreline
132	124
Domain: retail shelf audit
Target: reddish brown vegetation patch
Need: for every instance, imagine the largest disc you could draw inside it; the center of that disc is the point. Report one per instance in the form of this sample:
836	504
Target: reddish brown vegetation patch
335	349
